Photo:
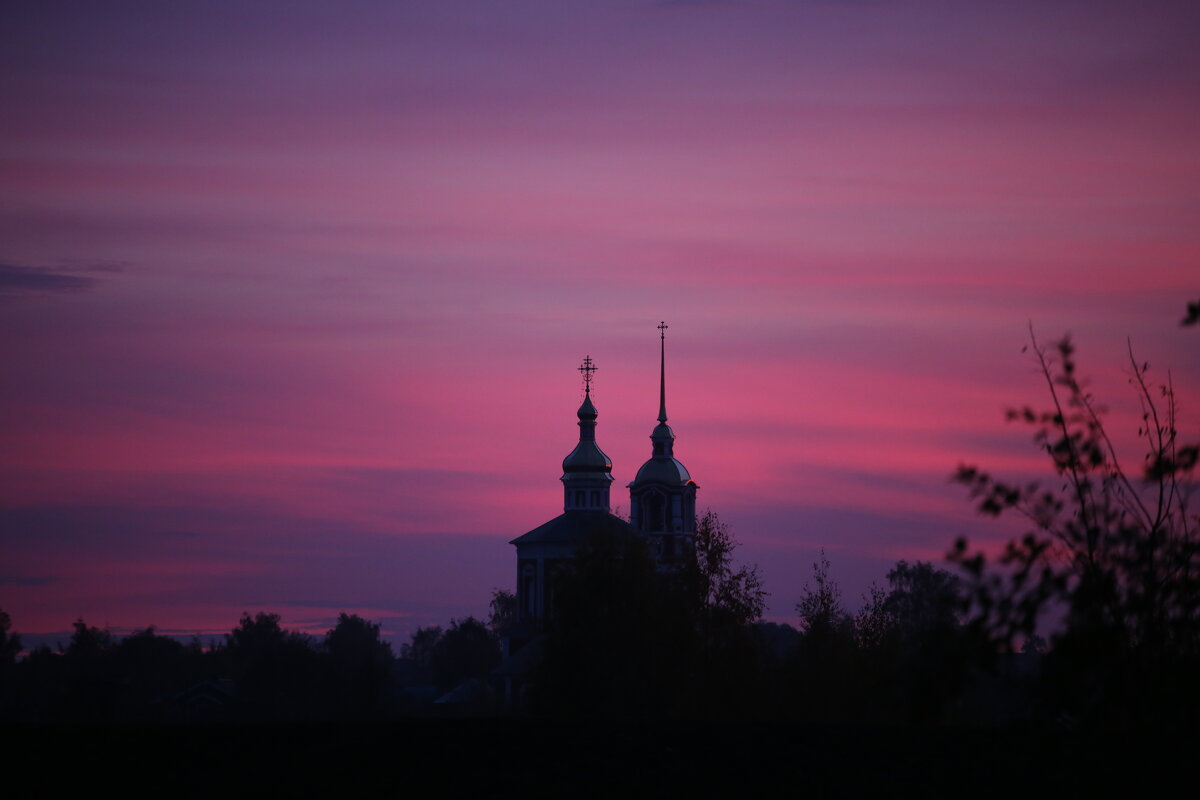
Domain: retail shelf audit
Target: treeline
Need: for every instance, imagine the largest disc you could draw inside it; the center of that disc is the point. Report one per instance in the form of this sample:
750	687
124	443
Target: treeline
628	640
631	641
257	671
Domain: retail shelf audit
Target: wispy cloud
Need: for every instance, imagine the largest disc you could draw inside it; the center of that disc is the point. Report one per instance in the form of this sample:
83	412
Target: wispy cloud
19	580
42	280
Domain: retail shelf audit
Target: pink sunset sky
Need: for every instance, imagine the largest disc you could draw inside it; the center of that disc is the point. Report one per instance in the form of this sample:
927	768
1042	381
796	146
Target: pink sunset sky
292	294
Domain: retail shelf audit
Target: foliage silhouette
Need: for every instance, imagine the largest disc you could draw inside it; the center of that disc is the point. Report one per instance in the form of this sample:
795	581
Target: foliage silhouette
466	651
419	651
502	612
91	683
927	652
275	671
827	663
1117	552
726	595
903	657
10	647
1192	316
10	641
621	640
359	668
631	637
153	667
88	644
820	606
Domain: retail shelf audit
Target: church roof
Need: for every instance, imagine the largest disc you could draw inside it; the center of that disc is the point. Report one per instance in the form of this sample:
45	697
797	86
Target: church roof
587	457
576	526
663	470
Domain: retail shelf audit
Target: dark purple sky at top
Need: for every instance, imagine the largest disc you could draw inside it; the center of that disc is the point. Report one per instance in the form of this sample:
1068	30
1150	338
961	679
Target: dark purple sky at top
291	295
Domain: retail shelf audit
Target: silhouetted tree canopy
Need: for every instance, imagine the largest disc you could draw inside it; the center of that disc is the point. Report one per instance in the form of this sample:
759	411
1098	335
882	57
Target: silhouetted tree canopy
276	671
419	650
151	666
733	593
10	642
360	664
820	606
502	615
467	650
630	638
1116	551
902	657
88	643
922	599
1192	316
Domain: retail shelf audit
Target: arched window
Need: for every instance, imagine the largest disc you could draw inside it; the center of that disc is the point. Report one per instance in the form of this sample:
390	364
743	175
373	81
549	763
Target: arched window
654	512
528	592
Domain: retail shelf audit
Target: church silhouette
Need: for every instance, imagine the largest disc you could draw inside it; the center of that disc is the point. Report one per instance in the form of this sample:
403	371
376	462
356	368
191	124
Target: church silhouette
662	508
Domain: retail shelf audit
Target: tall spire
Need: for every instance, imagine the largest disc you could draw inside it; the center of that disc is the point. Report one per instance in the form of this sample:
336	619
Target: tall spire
662	372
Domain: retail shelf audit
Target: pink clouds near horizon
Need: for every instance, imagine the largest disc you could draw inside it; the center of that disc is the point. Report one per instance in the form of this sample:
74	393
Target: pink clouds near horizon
329	270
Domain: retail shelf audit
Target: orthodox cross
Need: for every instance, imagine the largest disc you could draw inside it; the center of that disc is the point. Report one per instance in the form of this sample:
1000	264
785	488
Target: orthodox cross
586	369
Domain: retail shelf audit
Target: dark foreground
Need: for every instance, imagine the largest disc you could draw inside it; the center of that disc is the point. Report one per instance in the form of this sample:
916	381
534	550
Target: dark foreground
531	758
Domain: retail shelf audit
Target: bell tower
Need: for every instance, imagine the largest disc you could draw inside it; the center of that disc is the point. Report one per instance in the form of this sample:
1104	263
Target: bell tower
662	498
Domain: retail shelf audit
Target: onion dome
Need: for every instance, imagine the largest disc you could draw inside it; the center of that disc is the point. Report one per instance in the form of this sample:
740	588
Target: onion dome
587	471
587	457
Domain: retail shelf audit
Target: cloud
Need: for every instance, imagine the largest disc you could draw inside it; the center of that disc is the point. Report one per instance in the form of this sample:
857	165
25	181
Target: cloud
108	266
18	580
41	280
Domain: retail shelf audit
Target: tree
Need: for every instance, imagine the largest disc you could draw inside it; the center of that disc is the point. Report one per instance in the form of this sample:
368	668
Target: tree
91	681
276	671
900	658
633	636
419	650
502	615
920	600
150	666
726	601
467	650
827	677
355	639
88	643
1192	316
1117	551
923	599
820	606
360	662
10	646
10	643
256	634
622	638
927	654
735	595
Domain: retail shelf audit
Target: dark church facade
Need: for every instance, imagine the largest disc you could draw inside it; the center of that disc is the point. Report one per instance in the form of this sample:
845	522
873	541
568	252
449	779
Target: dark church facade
662	507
